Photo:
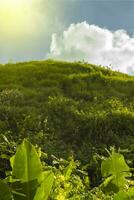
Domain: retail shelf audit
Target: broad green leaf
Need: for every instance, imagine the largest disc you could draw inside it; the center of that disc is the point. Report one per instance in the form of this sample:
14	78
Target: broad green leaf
107	181
12	161
121	196
25	190
45	188
131	192
128	195
116	167
69	169
26	163
5	193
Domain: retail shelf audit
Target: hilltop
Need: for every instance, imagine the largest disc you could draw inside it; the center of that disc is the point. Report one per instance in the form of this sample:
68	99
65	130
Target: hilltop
67	108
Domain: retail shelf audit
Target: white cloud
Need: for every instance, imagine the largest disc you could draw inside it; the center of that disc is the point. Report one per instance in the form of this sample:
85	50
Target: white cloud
95	45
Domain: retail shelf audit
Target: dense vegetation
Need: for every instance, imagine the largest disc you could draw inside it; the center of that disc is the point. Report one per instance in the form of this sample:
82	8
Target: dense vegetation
70	110
32	180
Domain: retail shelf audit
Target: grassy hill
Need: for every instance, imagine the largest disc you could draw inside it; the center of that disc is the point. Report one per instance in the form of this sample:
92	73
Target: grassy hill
67	108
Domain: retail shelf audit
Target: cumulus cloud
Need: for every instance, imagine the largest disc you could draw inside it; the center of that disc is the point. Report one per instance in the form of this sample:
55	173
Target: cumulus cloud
95	45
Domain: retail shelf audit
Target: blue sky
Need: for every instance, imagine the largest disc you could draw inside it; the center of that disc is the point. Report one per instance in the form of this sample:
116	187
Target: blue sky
112	14
35	39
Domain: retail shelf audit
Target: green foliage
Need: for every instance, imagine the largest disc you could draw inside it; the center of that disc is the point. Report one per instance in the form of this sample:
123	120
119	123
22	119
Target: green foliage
82	103
11	97
5	193
69	110
44	190
115	170
70	182
22	163
125	195
28	181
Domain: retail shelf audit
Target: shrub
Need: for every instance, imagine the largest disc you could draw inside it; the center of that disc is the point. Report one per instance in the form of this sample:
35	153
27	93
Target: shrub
11	97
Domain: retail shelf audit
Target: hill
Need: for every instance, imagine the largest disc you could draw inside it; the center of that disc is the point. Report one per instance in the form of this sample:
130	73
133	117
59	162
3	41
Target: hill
67	108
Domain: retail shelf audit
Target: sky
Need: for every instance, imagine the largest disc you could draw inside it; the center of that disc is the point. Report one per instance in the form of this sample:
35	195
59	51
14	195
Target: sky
97	31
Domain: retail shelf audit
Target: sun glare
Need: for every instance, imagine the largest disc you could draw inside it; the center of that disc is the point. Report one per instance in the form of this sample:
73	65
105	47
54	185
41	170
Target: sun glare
15	16
13	2
23	20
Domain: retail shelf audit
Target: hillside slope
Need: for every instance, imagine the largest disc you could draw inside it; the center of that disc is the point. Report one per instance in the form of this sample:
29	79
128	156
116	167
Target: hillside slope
67	107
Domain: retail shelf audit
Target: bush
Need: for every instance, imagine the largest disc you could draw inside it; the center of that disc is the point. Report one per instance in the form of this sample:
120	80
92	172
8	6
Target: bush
11	97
